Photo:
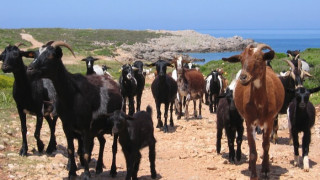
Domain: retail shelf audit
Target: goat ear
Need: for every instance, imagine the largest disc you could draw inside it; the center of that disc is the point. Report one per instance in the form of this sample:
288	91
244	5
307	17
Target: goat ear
151	65
94	59
83	59
170	65
268	55
28	54
313	90
232	59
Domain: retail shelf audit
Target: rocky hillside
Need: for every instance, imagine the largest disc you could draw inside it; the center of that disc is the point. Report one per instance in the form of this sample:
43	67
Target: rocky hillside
183	41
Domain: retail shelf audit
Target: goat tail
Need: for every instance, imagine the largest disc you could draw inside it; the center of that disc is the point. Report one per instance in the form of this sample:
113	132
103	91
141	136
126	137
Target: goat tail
149	110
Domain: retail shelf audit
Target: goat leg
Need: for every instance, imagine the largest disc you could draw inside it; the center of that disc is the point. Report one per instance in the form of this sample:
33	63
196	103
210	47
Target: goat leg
295	138
165	128
136	166
253	151
305	149
171	110
152	158
231	136
52	146
40	144
239	141
99	166
24	148
266	146
113	171
160	124
87	142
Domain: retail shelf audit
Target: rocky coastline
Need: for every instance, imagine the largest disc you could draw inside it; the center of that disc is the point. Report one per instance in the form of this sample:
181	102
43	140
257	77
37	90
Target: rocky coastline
184	41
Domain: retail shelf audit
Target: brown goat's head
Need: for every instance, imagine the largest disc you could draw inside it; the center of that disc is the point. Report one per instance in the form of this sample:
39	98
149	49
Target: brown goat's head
253	62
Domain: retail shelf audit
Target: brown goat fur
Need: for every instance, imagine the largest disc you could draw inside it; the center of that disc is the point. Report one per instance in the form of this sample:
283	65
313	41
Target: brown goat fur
258	96
191	85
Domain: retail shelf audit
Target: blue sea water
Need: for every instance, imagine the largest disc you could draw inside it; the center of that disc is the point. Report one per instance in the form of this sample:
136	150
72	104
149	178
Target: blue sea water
278	40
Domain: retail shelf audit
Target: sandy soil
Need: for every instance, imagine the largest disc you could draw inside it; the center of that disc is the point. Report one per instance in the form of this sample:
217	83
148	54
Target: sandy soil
188	151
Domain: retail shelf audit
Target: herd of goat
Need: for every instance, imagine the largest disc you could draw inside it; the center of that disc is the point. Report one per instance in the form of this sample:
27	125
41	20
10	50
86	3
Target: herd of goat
93	105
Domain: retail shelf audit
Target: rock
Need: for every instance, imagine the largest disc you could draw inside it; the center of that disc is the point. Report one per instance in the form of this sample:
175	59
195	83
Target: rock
1	147
212	168
2	156
183	156
12	155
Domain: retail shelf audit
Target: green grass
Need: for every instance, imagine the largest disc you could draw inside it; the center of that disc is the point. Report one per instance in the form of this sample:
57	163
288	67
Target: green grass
11	36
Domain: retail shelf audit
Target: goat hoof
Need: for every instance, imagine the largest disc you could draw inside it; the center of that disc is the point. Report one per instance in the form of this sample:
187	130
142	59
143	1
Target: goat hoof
72	176
51	148
23	152
165	129
154	175
265	175
199	117
113	173
40	146
98	170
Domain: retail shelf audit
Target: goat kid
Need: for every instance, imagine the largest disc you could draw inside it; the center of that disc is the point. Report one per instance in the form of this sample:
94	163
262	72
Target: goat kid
30	95
229	118
135	132
301	113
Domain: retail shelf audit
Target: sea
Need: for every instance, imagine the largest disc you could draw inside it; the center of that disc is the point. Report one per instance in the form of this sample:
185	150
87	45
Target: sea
278	40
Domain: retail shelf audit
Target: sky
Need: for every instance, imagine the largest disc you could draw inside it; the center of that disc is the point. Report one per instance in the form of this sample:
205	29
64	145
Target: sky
161	14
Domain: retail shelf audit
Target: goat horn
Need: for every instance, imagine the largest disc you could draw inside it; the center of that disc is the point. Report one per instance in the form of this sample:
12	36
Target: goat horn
61	43
297	56
263	46
19	44
119	62
290	64
290	56
306	73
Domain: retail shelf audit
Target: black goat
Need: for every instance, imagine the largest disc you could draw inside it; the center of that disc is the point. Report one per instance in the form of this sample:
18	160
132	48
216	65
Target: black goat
229	118
30	95
128	86
82	103
140	78
164	90
89	62
292	80
301	114
135	133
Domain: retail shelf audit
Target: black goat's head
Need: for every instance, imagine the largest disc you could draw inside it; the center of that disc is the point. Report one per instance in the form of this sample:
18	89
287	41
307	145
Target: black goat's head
48	59
119	119
89	61
139	66
12	58
302	95
127	71
214	75
161	66
105	67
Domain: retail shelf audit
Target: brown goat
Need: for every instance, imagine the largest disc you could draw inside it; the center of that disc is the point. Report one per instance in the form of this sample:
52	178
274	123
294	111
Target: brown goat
190	85
258	96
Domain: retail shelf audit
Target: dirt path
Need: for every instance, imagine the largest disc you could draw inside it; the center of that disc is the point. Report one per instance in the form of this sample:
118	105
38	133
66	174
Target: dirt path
187	152
34	42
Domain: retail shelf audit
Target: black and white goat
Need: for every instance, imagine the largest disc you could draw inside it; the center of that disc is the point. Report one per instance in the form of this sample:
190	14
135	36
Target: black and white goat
128	86
83	103
164	90
135	132
228	118
95	69
301	113
291	80
214	87
140	78
30	95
